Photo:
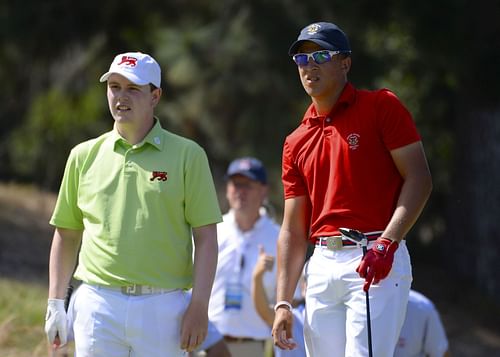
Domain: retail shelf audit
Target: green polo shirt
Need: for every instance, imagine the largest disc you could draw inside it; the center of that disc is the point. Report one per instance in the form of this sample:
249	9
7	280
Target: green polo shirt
136	205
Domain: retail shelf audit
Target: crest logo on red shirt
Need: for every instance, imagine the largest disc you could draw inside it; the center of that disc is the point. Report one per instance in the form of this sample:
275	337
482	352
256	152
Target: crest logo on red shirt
128	61
160	175
353	141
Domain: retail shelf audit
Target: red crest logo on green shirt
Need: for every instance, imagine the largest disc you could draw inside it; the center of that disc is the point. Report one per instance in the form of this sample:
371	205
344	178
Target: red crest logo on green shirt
160	175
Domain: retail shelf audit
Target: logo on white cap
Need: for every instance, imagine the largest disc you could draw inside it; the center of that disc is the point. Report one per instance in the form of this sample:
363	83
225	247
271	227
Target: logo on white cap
137	67
128	61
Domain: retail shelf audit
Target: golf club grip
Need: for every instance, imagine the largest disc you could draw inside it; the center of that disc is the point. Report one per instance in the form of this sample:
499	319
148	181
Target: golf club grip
69	292
67	298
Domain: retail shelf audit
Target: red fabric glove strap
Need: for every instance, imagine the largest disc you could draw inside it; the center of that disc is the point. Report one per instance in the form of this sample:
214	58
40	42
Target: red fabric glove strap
377	262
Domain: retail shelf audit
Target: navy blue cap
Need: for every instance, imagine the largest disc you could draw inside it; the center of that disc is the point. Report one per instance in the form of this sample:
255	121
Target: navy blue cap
326	34
249	167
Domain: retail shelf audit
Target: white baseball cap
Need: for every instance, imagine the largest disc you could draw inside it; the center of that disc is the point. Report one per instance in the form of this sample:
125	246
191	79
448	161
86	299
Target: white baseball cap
137	67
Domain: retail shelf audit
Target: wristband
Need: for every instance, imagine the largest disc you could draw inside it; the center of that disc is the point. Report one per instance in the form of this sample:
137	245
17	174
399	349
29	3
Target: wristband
282	303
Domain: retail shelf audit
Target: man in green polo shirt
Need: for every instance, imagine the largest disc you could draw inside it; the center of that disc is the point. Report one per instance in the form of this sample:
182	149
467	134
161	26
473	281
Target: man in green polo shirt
130	205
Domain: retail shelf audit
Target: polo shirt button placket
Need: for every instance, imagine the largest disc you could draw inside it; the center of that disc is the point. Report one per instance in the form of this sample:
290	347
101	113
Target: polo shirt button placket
128	162
327	128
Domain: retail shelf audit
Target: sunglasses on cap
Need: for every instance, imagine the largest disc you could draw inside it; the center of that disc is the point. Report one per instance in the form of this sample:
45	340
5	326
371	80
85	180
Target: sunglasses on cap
320	57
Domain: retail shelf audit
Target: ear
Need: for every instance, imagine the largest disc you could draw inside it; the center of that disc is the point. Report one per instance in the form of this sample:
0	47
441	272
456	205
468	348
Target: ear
155	96
346	64
265	192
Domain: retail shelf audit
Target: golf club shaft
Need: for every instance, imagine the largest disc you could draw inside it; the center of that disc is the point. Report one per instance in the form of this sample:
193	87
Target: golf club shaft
369	325
368	317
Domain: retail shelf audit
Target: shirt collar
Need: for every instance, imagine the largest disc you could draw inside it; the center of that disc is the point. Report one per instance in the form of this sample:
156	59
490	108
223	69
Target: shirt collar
346	98
154	138
260	221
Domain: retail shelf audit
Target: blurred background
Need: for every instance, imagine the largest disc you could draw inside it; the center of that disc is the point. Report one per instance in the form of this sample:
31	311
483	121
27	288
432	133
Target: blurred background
229	85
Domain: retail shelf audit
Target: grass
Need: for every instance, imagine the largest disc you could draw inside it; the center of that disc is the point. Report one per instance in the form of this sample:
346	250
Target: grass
22	317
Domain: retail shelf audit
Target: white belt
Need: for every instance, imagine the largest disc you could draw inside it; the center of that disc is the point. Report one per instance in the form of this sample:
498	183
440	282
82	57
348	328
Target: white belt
338	242
137	290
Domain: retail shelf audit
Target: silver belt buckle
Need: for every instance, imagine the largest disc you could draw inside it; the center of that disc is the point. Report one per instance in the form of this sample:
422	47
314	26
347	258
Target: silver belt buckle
334	243
132	290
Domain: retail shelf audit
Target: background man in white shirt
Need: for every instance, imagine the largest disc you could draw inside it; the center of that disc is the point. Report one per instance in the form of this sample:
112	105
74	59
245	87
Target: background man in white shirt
244	229
422	334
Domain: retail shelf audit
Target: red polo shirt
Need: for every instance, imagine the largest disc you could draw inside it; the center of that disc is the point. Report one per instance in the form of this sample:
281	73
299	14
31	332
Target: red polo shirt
342	161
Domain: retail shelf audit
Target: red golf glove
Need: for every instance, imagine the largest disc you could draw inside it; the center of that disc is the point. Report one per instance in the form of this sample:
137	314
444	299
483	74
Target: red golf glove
377	262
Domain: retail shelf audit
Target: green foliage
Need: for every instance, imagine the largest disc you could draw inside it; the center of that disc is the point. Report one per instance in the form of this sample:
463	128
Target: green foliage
228	82
220	78
56	122
21	318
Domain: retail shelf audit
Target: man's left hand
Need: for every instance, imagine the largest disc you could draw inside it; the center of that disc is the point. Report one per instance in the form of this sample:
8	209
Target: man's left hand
377	262
194	327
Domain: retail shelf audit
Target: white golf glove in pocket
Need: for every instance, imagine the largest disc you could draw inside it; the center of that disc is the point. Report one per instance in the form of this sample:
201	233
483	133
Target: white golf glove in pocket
56	321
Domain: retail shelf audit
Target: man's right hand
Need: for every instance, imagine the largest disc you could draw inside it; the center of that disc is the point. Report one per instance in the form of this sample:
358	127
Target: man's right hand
282	329
56	323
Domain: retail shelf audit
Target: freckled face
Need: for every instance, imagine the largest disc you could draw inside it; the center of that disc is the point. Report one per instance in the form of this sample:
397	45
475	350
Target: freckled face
129	102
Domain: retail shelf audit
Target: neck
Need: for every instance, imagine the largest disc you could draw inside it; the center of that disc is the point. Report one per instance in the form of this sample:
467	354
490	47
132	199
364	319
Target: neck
325	104
132	134
246	221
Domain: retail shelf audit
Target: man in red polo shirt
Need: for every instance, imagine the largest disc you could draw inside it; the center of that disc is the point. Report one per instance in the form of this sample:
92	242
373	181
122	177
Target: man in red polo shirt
356	161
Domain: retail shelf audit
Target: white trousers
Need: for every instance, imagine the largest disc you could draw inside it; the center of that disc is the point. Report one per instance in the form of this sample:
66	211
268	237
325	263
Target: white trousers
107	323
335	323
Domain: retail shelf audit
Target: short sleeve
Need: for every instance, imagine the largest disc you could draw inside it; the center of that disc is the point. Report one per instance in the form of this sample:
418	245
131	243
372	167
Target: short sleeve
436	342
395	122
201	207
293	183
66	212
